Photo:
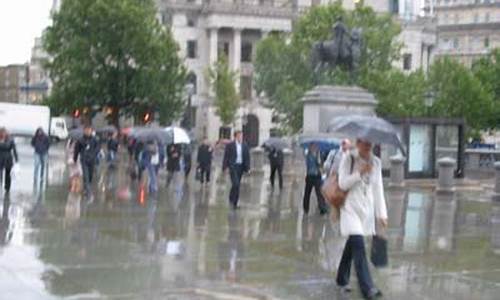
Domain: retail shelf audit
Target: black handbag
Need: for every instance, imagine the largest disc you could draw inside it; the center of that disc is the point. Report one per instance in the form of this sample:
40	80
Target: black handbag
379	255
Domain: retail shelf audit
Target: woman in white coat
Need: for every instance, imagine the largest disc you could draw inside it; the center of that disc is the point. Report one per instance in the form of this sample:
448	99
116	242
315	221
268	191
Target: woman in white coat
360	173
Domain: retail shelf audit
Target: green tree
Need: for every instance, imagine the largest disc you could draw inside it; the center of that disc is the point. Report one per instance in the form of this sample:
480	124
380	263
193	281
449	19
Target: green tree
114	54
487	70
459	94
282	66
227	101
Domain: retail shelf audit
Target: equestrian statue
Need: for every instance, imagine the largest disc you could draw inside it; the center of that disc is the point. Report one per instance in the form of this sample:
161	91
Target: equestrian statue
344	50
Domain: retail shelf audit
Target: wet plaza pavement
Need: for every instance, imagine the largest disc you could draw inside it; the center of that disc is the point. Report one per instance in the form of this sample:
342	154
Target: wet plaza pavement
185	243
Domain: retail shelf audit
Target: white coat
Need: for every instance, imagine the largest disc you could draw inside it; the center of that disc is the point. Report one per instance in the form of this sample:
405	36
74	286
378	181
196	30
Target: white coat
365	201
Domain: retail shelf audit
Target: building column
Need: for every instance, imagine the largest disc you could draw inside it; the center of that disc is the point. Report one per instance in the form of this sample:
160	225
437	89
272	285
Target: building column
214	42
236	63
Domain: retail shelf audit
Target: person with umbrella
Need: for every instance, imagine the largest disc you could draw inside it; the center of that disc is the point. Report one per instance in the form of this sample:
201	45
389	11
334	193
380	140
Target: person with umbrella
204	159
237	161
150	161
112	144
173	161
332	162
360	173
40	143
87	148
276	162
364	204
313	179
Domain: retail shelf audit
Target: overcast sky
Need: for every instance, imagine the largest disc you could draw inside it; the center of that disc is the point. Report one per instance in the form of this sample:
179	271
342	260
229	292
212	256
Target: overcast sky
20	22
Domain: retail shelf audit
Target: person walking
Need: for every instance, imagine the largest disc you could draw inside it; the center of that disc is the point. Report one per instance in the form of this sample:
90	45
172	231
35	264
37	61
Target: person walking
313	179
364	204
187	159
237	161
150	160
40	143
276	161
87	148
112	146
204	160
8	156
173	162
332	162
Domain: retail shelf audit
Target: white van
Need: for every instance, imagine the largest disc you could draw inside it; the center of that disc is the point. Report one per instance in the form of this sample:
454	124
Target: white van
58	129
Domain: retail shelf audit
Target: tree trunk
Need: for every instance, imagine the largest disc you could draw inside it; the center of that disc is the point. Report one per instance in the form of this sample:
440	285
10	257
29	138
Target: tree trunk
114	117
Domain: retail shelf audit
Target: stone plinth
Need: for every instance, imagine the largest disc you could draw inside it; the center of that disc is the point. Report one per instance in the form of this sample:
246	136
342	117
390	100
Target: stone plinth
257	161
288	166
446	167
324	102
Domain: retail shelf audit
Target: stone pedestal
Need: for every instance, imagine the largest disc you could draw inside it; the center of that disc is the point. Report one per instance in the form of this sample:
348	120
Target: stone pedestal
257	161
397	171
446	167
496	192
324	102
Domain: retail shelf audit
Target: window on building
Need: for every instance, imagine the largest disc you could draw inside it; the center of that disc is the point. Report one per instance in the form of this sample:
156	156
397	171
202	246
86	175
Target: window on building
192	49
191	21
166	18
456	18
246	52
394	6
246	87
456	43
192	79
486	42
487	17
407	61
225	49
476	18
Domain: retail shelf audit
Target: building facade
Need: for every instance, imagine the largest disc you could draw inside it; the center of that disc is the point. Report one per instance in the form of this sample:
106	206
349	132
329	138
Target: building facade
12	79
467	29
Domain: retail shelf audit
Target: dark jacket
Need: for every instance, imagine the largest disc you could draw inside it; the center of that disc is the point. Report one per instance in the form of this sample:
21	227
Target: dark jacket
174	158
41	143
8	153
87	148
275	157
205	153
230	156
113	145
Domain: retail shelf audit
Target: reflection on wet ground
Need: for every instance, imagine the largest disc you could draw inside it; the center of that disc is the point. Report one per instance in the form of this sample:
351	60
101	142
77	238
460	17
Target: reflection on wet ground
184	243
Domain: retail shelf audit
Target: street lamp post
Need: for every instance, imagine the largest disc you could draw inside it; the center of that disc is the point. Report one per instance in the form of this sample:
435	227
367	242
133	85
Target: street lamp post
429	101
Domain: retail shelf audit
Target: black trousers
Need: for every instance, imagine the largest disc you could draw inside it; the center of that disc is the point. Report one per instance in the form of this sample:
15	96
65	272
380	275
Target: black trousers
277	168
355	250
205	173
88	175
314	181
236	173
5	175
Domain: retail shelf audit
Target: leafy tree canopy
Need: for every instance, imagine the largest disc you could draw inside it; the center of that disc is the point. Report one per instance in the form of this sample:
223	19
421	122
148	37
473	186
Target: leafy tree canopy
113	54
223	80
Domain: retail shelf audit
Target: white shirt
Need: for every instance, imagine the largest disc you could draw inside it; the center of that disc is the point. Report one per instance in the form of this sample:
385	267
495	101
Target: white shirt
365	201
239	154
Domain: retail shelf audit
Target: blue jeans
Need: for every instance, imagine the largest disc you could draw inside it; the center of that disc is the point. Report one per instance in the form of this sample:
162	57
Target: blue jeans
40	163
153	180
355	250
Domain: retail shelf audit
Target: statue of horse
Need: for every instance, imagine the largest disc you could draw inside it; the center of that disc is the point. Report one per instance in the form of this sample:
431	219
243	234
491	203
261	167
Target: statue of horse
344	50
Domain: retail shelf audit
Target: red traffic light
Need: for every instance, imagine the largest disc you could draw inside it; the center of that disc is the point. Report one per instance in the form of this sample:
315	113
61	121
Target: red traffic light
76	113
147	117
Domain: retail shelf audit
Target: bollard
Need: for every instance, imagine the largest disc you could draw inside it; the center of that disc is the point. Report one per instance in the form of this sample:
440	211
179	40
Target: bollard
257	161
496	192
474	160
446	167
397	171
288	167
495	229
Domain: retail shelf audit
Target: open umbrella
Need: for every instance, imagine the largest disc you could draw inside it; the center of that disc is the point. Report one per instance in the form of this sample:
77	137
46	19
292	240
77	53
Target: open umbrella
146	134
325	142
177	135
106	130
76	133
276	143
370	128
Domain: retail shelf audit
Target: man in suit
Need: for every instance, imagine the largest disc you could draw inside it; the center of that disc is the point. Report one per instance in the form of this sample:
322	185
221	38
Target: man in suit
237	160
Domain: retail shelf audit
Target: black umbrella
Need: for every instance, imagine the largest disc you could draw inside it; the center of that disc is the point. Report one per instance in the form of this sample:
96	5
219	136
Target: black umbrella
146	134
276	143
107	130
76	133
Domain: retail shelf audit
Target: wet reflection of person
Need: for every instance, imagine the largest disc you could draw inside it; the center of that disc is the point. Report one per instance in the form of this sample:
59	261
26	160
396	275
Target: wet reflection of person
231	252
5	232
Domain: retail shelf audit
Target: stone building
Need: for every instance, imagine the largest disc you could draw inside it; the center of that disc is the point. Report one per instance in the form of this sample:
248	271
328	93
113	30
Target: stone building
207	29
467	29
12	79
